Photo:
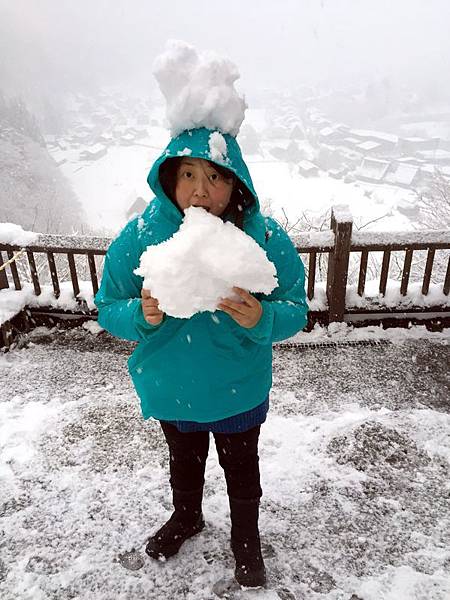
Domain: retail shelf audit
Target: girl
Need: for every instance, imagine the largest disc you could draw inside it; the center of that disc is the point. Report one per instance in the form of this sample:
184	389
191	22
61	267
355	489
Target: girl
212	372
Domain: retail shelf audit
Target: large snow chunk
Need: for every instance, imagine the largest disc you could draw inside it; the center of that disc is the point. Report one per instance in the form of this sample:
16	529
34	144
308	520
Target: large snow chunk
200	264
13	234
199	89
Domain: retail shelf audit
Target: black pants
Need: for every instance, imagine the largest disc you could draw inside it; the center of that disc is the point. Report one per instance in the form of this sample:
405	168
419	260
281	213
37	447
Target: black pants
238	457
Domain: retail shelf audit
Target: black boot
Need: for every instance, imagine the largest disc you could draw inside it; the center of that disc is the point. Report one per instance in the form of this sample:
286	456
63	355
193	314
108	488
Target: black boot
186	521
245	543
250	570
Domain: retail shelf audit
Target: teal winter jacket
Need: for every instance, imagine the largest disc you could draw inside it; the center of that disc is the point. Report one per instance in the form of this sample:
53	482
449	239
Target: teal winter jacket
207	367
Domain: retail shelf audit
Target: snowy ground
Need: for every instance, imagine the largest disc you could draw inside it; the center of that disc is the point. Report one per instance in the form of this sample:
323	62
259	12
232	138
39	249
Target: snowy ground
355	468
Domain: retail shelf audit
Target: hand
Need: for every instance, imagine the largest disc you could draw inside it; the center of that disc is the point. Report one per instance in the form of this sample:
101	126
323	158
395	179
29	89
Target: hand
247	313
150	308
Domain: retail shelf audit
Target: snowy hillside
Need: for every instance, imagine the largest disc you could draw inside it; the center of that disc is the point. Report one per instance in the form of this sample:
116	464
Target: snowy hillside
108	154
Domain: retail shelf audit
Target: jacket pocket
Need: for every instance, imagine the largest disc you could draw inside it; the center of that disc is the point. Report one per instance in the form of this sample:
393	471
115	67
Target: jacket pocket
152	347
225	336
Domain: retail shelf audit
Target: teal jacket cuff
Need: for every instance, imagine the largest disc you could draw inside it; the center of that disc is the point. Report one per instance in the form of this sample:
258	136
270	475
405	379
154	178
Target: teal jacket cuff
141	324
261	333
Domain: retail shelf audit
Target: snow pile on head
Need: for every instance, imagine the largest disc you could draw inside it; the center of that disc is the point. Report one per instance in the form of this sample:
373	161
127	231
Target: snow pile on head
201	263
15	235
199	89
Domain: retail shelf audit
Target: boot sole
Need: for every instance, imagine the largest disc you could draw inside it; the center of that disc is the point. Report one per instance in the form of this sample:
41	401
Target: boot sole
155	551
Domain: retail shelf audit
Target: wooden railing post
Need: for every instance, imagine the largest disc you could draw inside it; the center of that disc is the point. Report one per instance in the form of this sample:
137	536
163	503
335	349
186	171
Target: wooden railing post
3	278
338	259
6	334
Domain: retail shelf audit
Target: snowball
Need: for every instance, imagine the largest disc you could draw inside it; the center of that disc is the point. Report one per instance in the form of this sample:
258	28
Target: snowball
16	235
199	89
217	147
200	264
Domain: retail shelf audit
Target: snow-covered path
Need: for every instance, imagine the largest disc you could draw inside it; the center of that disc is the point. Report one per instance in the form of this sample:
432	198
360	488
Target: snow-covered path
354	458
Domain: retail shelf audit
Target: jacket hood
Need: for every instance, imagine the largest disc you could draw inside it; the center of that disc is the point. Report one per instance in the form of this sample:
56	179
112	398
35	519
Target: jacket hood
212	145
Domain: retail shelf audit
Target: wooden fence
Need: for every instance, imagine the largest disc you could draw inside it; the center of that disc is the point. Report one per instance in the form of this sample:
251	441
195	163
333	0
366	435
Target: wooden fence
338	245
341	243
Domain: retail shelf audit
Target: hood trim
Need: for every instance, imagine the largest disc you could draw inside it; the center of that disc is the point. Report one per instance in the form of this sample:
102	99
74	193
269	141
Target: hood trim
197	142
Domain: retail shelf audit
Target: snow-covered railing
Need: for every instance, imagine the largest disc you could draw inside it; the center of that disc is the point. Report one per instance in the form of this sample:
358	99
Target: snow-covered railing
70	246
338	298
51	274
342	244
58	275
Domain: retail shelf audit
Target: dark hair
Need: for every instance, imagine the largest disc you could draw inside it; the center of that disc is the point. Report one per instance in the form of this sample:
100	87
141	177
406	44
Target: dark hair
241	197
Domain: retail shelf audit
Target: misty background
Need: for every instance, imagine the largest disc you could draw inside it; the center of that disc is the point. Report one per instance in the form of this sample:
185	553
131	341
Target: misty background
354	64
50	47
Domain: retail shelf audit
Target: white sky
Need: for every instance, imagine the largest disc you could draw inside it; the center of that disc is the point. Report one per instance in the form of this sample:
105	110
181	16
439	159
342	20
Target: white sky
58	44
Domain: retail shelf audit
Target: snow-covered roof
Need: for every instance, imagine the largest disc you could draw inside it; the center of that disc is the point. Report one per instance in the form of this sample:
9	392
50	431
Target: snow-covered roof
327	131
411	160
368	145
306	165
430	168
406	159
435	154
337	171
341	127
379	135
95	148
372	168
350	140
413	139
402	174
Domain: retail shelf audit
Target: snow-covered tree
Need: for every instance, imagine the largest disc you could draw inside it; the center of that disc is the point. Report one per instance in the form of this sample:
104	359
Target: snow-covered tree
33	192
249	139
15	115
434	203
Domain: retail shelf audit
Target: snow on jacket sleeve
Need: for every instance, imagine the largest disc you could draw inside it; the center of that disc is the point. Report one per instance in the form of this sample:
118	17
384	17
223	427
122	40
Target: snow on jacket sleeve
285	309
119	298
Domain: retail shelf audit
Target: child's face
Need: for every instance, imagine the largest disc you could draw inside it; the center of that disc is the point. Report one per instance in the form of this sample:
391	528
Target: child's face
199	184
